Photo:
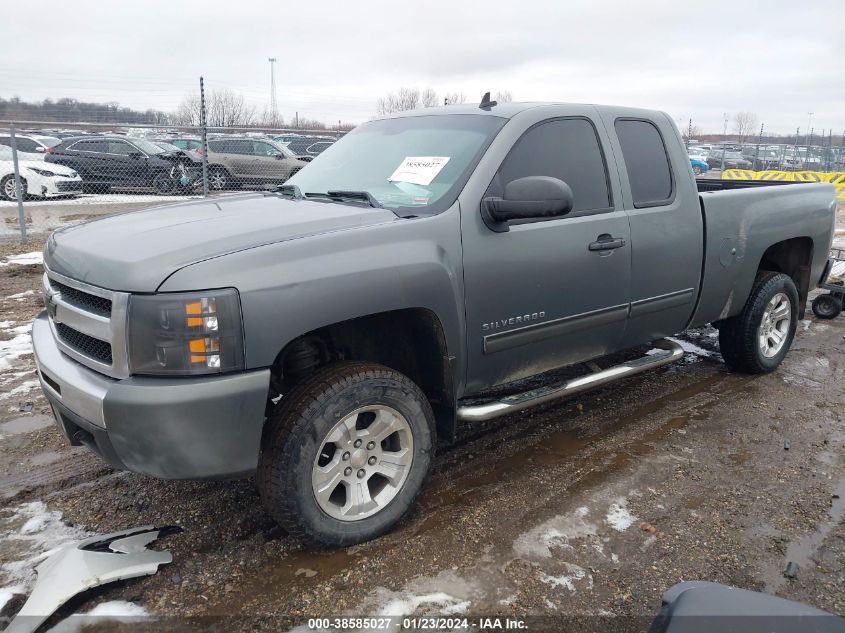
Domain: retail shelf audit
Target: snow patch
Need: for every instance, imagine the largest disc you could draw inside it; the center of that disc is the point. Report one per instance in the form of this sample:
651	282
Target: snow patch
618	517
692	348
32	532
24	259
22	388
573	574
19	345
113	611
557	532
20	295
7	593
806	323
407	605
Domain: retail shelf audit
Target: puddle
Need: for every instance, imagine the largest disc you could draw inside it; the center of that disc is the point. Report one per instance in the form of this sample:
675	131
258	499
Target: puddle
27	424
803	549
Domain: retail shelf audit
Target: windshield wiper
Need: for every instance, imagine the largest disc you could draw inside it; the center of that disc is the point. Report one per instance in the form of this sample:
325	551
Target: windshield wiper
339	196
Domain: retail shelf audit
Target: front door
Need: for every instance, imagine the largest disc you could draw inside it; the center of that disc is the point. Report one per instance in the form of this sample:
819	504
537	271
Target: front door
554	292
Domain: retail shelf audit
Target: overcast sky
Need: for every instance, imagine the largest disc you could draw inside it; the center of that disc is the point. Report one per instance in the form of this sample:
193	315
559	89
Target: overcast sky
692	58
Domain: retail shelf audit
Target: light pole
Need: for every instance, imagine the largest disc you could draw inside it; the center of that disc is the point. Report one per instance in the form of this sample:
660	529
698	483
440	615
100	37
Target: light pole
724	143
273	114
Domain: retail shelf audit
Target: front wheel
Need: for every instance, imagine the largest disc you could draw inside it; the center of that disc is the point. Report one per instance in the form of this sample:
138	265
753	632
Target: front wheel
345	453
218	178
8	190
757	339
827	306
696	170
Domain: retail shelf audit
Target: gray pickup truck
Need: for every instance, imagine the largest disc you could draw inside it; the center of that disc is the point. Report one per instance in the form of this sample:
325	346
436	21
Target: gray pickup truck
324	336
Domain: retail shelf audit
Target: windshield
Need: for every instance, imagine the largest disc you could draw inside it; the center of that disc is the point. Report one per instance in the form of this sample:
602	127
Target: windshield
146	146
167	147
417	164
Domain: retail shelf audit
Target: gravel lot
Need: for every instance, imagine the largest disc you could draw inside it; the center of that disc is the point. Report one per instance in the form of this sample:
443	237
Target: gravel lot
589	508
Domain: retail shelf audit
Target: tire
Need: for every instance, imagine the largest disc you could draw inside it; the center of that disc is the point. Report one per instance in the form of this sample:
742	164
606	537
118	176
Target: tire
8	190
757	339
827	306
696	170
163	184
218	179
325	422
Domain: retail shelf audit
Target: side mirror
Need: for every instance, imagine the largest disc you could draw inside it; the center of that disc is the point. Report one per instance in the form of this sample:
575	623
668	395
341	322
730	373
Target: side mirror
529	198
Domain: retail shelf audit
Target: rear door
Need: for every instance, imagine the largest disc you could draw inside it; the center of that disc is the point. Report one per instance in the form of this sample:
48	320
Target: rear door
545	293
126	164
268	163
667	232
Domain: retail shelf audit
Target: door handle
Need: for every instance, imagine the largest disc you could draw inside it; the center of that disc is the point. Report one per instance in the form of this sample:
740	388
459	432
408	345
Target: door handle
606	243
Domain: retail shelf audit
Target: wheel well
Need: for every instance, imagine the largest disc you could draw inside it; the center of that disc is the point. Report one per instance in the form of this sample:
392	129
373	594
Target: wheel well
793	257
411	341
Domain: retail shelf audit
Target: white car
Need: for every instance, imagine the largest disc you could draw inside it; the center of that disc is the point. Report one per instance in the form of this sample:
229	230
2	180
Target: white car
39	179
32	143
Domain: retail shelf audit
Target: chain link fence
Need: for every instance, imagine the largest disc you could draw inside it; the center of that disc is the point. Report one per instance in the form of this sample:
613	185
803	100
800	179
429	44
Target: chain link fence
53	175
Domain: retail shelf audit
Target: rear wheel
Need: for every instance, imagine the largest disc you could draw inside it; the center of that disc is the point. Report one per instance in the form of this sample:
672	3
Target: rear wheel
218	178
827	306
8	190
345	453
757	339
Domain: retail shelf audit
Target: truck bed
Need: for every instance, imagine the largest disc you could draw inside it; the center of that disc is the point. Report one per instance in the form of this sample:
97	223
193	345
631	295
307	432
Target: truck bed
742	218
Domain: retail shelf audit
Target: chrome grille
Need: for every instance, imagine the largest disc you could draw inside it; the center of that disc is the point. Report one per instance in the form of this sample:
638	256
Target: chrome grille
84	300
88	345
88	323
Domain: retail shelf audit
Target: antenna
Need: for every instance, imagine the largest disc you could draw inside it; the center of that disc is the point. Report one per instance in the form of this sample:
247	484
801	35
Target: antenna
486	103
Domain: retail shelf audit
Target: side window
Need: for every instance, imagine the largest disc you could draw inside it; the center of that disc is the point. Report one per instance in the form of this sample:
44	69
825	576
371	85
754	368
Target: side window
89	146
119	147
264	149
646	161
194	144
26	145
180	144
567	149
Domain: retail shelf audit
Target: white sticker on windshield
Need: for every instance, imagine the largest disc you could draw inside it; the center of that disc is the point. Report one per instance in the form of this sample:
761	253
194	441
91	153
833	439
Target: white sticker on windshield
419	170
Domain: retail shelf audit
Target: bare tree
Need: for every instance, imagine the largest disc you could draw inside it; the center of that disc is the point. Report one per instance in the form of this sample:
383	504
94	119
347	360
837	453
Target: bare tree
454	98
503	96
429	98
744	125
224	108
399	101
691	132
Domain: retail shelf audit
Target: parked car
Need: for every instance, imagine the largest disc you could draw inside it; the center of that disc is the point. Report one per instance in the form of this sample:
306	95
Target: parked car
238	161
31	144
119	162
698	154
761	158
323	336
698	166
38	178
309	147
186	143
731	159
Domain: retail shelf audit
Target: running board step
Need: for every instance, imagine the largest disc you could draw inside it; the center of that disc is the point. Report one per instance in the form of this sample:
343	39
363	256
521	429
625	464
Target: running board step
665	351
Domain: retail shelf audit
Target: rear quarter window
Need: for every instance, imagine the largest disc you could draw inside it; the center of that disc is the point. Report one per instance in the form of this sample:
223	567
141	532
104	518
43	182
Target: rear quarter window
646	161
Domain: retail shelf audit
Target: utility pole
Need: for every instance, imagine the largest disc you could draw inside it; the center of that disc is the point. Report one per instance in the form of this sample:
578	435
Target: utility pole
689	132
204	133
757	150
809	124
795	148
273	113
724	143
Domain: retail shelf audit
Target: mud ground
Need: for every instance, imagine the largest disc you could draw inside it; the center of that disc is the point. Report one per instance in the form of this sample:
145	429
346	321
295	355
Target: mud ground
590	508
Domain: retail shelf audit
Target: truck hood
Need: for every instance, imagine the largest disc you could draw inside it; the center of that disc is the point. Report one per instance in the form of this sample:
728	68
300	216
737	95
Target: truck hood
136	251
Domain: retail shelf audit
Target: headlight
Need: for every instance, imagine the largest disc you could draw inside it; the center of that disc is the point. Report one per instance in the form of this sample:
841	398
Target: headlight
190	333
42	172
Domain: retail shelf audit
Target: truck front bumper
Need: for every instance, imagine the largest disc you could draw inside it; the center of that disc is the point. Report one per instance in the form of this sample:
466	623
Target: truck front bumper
171	428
